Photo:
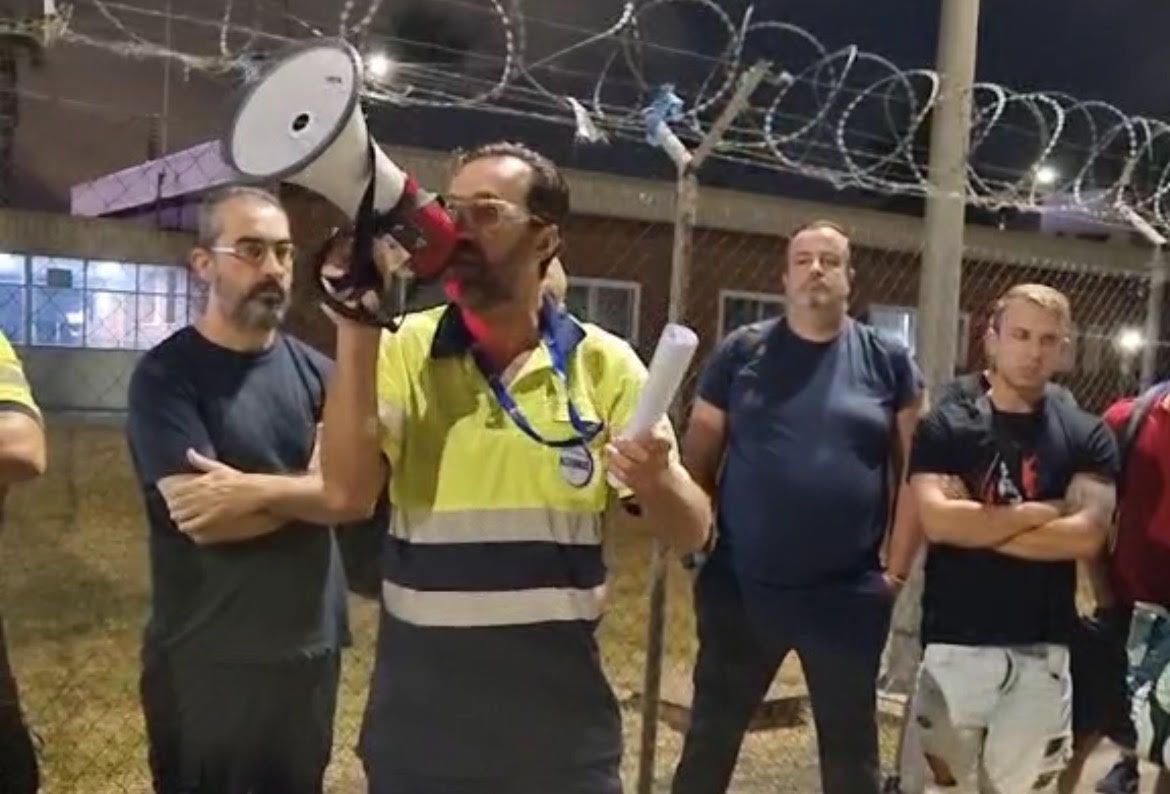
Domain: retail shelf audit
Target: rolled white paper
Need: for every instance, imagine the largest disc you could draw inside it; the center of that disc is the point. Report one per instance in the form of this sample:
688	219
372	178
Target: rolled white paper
676	348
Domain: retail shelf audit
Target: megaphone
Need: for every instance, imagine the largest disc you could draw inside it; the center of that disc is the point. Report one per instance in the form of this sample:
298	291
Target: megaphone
302	122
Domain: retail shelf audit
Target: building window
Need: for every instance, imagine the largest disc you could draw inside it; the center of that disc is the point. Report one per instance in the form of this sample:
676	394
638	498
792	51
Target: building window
737	308
162	303
901	323
109	305
98	304
58	302
613	305
14	298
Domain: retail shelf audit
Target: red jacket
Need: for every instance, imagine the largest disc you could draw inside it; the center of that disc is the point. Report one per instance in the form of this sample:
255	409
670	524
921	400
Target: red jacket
1139	568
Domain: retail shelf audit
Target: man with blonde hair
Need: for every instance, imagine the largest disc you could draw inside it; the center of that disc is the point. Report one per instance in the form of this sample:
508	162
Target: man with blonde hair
1013	487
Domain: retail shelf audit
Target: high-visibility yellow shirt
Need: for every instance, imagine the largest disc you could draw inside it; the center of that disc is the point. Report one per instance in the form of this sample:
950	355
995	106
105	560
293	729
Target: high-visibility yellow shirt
493	577
14	389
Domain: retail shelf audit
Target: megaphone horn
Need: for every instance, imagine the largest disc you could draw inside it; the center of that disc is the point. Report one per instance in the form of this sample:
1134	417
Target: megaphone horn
302	122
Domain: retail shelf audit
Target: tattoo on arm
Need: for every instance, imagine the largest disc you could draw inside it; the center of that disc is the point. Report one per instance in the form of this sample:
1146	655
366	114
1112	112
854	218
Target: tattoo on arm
1094	495
952	486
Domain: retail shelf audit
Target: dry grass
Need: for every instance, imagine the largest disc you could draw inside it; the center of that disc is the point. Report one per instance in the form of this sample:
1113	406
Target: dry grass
74	597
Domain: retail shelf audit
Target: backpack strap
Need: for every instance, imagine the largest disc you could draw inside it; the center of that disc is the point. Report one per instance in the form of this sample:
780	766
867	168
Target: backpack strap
1128	437
755	341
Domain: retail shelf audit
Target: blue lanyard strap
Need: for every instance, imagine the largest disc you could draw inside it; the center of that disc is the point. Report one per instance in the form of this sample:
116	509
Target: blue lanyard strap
586	430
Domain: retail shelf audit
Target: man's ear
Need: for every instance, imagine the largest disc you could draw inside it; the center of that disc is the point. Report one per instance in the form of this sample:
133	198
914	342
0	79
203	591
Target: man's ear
549	243
199	259
990	345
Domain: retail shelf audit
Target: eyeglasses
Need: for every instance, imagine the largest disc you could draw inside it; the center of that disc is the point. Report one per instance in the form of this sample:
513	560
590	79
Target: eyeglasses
254	250
487	213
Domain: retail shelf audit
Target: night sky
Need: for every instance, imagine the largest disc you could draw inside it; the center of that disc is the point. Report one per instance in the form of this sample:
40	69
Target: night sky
1110	50
1090	49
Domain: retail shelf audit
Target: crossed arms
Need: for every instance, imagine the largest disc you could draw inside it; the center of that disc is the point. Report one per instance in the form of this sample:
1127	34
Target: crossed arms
224	505
1074	529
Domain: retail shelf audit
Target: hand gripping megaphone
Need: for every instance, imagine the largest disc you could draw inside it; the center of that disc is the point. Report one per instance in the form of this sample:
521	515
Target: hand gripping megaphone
302	122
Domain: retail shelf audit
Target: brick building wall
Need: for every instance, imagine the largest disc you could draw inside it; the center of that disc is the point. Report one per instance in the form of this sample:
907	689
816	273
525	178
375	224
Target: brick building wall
616	250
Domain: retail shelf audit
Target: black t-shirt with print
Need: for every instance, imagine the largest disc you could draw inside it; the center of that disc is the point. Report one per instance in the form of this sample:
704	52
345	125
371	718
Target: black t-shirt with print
981	596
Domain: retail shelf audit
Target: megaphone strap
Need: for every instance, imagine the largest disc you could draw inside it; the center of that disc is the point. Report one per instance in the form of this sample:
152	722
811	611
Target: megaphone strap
344	294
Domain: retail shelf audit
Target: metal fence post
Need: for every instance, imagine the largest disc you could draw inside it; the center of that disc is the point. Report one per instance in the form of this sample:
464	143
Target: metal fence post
686	213
687	199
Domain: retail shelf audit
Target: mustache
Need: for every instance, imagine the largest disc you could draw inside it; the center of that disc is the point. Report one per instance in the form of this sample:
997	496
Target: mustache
266	290
466	249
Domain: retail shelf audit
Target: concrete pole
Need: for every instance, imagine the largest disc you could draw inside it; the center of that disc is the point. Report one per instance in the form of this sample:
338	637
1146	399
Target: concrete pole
938	315
1153	331
942	256
1153	325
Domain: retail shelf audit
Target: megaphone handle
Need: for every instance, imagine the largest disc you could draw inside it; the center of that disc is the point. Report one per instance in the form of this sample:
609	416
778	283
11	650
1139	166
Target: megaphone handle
383	318
362	276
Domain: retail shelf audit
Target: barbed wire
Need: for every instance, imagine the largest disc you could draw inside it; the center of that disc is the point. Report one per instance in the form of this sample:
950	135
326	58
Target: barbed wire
844	116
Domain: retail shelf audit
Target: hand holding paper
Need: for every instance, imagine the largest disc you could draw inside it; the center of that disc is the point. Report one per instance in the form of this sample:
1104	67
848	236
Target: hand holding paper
676	348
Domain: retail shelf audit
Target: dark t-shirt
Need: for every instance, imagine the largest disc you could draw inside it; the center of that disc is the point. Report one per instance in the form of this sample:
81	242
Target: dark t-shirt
804	493
980	596
273	598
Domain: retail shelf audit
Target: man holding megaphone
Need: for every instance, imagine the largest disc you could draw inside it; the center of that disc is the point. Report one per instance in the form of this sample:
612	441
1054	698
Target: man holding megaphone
498	414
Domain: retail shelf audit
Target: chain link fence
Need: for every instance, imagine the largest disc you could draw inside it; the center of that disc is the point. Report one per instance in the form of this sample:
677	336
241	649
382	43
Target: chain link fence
736	279
83	298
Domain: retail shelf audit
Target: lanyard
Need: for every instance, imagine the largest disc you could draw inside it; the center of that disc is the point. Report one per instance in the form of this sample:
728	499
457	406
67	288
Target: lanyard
586	431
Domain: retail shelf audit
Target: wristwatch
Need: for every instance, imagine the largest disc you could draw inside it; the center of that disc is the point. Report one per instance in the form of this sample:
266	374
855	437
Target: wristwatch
693	560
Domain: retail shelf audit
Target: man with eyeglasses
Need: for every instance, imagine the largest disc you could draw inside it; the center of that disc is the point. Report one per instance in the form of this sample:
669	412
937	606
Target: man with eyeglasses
499	414
248	612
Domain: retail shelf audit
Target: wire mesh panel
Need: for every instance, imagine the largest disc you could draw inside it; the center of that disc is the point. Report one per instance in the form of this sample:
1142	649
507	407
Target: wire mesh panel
83	296
76	591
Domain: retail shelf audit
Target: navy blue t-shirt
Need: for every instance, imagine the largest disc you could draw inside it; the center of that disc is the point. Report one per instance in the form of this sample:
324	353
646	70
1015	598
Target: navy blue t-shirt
804	492
277	597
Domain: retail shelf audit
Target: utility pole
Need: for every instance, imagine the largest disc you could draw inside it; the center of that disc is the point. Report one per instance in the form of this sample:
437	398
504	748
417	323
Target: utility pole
938	313
942	256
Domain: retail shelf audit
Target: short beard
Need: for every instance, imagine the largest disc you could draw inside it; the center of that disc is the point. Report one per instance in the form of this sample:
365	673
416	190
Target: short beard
494	286
484	295
256	314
